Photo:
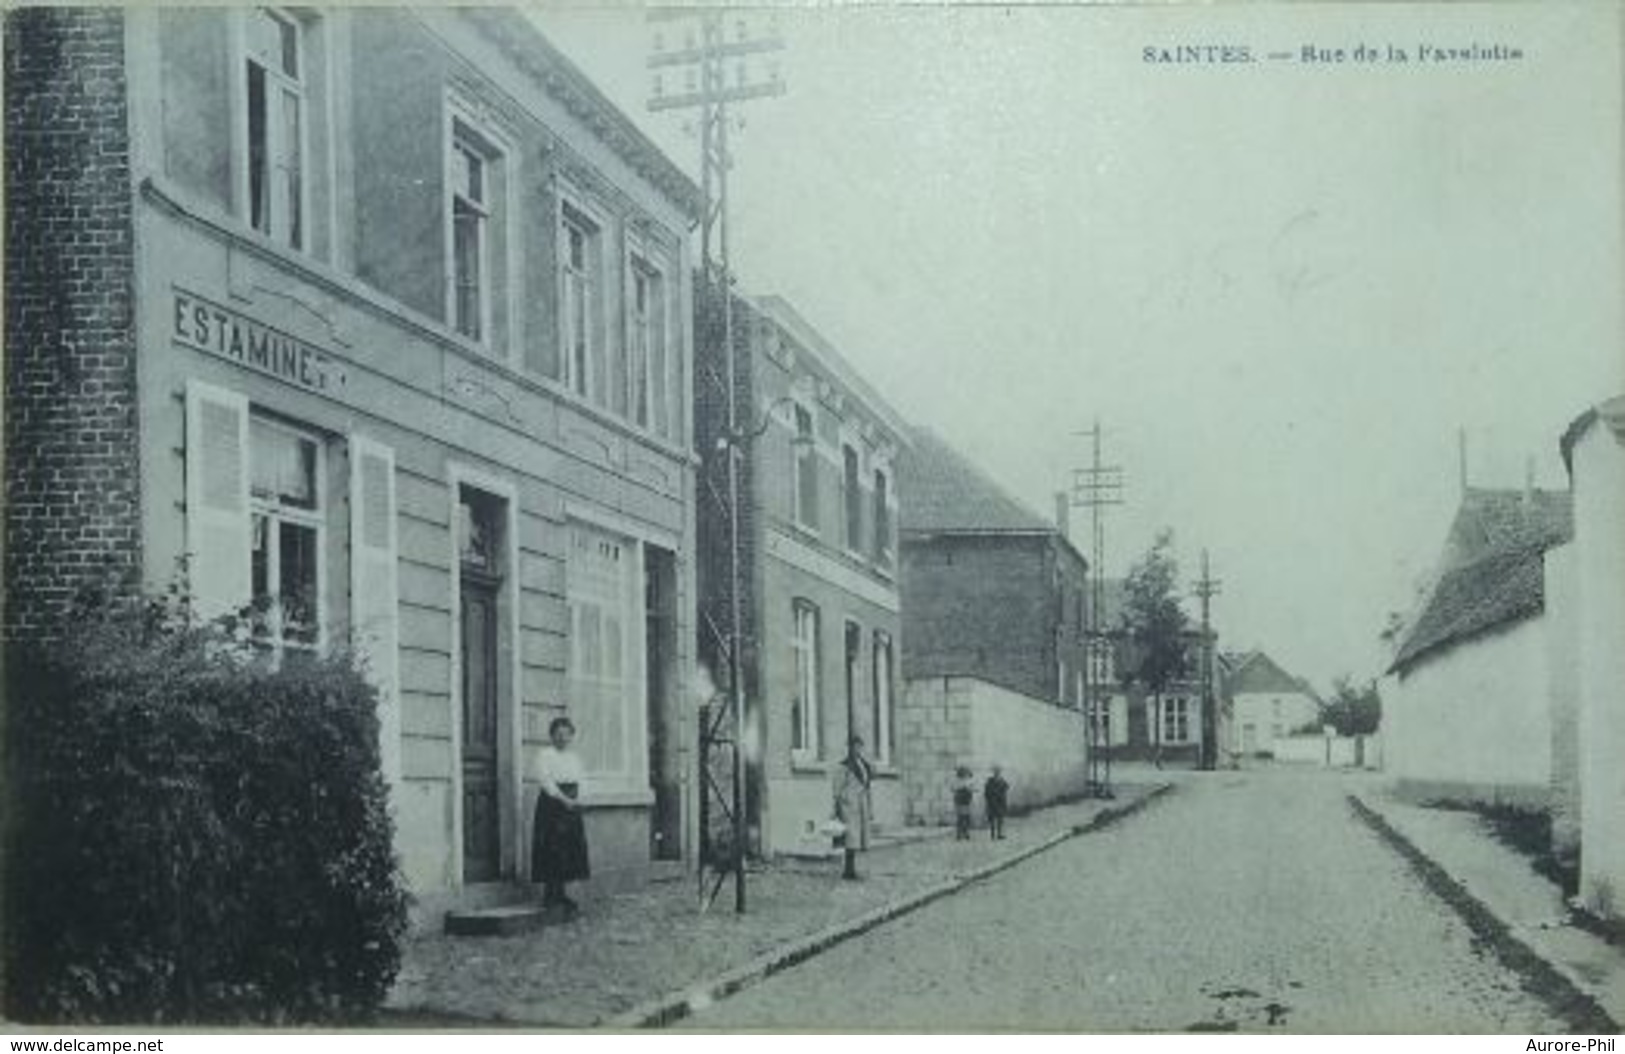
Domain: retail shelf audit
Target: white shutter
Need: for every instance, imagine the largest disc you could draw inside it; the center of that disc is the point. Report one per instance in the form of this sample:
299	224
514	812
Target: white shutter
374	593
218	526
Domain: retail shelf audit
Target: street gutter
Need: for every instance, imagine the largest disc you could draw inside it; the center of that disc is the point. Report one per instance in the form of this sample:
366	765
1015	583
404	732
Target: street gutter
676	1006
1542	977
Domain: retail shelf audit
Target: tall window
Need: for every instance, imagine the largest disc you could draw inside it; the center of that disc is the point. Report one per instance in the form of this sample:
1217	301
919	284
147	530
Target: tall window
470	215
851	489
882	518
605	603
805	470
804	707
647	369
581	265
1176	720
286	509
885	711
276	100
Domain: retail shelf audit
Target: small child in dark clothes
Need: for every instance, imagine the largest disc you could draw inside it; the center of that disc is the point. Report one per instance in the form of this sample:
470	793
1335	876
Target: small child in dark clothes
996	796
964	792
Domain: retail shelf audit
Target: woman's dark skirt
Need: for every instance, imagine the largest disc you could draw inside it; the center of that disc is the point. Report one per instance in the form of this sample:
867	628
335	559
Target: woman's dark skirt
558	844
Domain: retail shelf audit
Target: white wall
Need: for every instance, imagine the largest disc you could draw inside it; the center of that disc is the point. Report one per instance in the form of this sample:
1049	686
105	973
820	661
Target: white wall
1040	746
1563	670
1599	512
1312	750
1473	722
1259	708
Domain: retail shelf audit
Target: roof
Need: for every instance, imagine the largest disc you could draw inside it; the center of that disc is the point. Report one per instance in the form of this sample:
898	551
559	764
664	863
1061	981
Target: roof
1493	571
1611	410
1255	671
944	493
1489	522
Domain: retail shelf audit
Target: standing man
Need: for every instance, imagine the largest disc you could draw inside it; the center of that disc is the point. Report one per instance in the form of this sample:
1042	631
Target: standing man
996	796
852	803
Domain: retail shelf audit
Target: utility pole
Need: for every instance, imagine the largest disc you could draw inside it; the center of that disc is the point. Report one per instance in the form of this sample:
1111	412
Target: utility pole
1094	488
1207	587
703	59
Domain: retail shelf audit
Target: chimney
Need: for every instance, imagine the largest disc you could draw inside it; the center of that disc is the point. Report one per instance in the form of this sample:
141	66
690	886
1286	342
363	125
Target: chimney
1461	457
1063	514
1529	480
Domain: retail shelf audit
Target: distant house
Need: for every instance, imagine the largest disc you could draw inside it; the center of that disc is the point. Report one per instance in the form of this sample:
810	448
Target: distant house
1595	739
1139	726
1469	715
1268	703
993	643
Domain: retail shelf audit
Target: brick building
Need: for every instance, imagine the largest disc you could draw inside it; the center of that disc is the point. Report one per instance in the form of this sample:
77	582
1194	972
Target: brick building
993	624
377	320
818	565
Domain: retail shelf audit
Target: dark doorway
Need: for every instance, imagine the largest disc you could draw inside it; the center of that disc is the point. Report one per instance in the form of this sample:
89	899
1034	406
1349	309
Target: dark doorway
479	581
481	838
660	643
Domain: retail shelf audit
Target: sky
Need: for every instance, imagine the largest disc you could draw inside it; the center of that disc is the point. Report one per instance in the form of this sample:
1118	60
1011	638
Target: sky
1281	287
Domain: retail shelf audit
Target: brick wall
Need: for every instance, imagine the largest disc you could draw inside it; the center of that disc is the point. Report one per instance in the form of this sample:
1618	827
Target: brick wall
72	473
981	607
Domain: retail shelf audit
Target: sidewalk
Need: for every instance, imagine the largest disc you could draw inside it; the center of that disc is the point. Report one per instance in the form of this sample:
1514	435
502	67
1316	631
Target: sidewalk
638	957
1490	876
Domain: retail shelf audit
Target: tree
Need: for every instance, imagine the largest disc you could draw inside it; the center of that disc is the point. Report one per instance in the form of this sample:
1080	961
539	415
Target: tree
1153	625
1354	710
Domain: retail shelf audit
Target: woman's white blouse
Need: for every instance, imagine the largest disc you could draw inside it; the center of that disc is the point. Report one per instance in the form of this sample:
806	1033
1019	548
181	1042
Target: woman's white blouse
555	766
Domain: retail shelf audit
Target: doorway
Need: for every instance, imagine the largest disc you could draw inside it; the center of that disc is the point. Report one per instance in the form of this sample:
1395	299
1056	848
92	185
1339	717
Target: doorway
663	713
479	588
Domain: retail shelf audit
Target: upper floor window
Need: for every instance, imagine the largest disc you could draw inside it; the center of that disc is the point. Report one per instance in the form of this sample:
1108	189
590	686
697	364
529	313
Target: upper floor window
805	470
851	489
883	522
470	214
276	126
581	267
649	361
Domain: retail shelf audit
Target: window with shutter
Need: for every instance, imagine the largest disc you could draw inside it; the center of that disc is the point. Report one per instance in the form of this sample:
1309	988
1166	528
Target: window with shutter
374	592
217	521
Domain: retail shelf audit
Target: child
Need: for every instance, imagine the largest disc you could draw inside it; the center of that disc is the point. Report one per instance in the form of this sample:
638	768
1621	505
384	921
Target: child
964	792
996	796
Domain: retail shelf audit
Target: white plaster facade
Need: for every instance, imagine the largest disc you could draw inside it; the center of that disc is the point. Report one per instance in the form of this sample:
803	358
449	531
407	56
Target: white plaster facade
1597	467
1473	721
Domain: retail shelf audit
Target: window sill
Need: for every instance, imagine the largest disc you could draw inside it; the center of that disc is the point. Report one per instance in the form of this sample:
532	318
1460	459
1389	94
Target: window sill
805	761
616	796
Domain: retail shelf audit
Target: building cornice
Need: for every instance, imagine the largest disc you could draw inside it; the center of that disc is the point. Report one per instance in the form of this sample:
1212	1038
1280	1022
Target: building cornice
532	52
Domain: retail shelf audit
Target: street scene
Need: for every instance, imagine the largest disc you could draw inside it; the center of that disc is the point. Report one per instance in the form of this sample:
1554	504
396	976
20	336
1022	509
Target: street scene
884	517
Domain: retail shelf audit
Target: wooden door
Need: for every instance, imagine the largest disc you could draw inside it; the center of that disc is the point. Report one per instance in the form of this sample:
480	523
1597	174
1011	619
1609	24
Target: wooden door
482	845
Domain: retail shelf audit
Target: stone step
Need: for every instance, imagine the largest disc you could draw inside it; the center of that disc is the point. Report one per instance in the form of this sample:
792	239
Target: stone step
501	921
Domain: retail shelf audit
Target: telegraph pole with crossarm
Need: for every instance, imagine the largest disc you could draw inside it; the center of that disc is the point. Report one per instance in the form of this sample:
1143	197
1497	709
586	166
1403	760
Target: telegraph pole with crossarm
701	60
1095	488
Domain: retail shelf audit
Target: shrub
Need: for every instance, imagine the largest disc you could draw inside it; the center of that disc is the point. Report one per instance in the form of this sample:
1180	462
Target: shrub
196	837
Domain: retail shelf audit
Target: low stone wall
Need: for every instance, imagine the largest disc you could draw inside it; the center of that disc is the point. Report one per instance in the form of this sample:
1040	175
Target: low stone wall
948	722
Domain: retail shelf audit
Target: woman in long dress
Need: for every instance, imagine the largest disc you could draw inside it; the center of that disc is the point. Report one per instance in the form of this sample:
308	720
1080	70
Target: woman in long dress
852	805
559	839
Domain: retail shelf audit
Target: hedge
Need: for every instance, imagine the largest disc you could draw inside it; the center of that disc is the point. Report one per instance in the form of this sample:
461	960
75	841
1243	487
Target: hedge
196	837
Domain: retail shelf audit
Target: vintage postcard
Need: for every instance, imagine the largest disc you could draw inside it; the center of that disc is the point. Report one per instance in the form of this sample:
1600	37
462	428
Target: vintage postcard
873	517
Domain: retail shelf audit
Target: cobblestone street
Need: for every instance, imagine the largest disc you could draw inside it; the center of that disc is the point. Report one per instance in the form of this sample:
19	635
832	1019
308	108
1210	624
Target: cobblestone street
1243	901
